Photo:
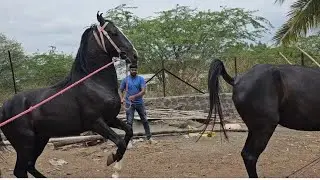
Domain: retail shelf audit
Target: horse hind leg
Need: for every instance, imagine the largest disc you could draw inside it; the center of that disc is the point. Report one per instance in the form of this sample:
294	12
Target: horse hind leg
26	144
24	154
40	143
257	140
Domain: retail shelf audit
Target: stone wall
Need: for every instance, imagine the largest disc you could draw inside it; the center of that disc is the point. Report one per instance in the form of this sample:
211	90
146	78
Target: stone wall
193	102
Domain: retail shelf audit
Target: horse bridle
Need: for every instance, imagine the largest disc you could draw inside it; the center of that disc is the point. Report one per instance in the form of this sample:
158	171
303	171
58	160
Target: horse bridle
122	54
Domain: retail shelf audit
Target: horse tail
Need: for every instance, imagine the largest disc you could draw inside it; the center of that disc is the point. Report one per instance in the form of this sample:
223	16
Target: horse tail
216	69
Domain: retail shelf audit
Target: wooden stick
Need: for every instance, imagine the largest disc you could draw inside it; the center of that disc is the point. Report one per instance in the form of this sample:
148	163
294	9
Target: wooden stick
309	56
59	142
285	58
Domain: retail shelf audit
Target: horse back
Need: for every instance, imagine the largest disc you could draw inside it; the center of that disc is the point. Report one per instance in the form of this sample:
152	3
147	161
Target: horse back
283	92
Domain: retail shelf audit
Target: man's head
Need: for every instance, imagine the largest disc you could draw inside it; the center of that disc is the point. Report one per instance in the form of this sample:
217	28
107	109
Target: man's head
133	70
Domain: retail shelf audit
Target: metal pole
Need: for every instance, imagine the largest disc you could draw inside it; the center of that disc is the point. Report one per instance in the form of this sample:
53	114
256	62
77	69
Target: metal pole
183	81
163	80
235	66
154	76
13	78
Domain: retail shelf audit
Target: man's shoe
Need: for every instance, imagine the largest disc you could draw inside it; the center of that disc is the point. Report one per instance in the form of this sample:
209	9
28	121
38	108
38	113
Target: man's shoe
152	141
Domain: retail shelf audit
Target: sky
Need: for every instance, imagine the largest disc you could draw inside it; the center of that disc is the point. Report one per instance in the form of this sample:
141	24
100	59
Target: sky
38	24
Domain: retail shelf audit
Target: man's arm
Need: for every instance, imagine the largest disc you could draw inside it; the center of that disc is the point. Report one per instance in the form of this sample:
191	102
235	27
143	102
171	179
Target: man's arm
141	93
121	90
122	95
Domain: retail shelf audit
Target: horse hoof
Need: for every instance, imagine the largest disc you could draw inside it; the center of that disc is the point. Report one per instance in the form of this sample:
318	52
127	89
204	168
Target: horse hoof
115	175
118	165
110	160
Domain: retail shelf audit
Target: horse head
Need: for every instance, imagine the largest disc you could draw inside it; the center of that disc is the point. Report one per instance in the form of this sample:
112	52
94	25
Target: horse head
114	40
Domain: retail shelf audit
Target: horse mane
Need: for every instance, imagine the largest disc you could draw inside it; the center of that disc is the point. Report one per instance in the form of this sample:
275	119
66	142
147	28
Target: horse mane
80	62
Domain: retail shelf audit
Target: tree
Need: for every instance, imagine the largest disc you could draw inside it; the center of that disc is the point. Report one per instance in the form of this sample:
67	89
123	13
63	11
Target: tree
44	69
186	39
17	55
304	16
122	16
182	33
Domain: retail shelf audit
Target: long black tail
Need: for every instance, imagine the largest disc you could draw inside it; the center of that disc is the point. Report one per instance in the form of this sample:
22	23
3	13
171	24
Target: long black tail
216	69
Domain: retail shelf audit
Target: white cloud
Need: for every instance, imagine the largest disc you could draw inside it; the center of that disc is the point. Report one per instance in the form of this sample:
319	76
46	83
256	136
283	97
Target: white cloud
37	24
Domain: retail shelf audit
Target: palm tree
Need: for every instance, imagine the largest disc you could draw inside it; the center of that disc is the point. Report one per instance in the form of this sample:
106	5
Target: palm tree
303	17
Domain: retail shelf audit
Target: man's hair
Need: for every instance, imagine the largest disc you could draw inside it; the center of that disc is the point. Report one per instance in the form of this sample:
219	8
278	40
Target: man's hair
133	66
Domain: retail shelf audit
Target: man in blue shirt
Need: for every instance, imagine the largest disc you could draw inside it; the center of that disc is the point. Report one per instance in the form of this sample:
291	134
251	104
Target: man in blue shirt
135	87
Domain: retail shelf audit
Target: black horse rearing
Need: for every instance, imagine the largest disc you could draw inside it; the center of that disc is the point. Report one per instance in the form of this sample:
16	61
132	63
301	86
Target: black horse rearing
268	95
93	105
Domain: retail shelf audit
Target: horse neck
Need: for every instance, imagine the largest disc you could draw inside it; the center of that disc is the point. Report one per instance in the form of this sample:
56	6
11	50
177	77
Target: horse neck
91	59
107	77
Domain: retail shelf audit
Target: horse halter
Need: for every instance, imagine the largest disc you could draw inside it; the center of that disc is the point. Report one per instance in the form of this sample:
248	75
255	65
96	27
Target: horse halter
122	55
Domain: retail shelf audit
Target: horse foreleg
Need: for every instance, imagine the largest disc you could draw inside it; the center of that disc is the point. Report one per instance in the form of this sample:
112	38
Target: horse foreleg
119	124
101	127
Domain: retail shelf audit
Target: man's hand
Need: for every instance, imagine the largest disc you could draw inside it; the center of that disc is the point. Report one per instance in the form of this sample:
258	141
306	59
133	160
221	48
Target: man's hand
131	98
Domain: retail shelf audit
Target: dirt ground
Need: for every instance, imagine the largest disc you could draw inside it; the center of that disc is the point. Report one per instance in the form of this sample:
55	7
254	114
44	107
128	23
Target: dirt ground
181	156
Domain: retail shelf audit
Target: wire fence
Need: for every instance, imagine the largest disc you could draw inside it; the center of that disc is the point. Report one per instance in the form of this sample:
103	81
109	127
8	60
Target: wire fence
164	82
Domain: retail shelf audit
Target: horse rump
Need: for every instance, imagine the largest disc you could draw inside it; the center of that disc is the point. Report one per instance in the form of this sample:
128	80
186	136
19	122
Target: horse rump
2	145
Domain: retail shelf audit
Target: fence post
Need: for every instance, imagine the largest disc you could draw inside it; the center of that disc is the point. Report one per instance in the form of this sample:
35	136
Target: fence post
163	80
13	78
302	59
235	66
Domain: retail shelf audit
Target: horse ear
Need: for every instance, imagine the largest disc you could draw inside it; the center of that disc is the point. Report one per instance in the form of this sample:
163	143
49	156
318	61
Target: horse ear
100	18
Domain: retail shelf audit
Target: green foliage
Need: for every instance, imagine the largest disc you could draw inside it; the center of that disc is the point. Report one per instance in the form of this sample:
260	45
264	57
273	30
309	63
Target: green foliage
17	56
34	71
44	69
185	39
182	33
304	16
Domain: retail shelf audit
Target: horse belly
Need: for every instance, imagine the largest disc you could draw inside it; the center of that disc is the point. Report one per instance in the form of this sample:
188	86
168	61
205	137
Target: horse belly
299	118
62	126
301	124
300	109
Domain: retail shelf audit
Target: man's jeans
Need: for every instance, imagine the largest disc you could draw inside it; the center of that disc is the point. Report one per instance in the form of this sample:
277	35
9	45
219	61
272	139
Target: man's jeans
143	116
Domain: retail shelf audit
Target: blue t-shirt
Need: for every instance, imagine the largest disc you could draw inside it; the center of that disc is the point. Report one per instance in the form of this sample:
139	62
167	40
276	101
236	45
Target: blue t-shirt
135	85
